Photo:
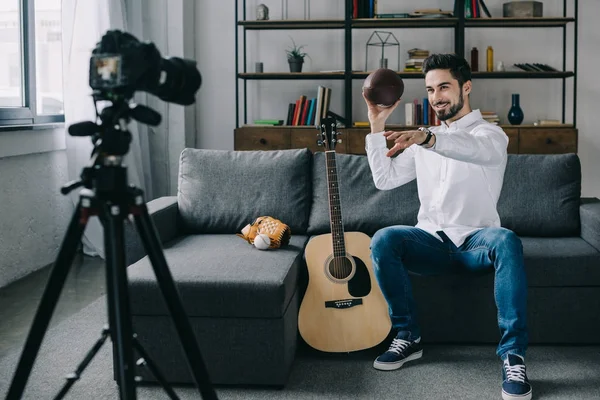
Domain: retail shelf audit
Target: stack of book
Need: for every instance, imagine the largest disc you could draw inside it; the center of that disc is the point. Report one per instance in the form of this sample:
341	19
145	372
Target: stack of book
309	111
415	60
474	8
364	8
490	116
420	113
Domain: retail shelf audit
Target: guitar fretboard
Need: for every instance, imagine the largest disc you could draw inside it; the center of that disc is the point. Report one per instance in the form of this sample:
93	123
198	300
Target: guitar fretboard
335	209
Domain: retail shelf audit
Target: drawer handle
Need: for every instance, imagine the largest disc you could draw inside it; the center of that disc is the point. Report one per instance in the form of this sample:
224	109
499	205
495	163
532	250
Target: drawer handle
262	141
548	141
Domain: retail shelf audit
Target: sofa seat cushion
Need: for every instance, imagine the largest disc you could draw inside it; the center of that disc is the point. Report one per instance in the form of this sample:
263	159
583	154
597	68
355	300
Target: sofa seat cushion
550	262
221	275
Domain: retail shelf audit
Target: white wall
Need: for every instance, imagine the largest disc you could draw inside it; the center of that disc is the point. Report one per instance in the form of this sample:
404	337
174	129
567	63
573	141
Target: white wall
34	214
215	50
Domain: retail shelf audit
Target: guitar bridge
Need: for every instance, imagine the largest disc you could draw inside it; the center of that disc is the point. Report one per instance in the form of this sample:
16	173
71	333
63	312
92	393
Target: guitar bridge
347	303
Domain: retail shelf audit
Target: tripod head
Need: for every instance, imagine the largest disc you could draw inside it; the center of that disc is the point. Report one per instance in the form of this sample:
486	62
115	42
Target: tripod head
110	137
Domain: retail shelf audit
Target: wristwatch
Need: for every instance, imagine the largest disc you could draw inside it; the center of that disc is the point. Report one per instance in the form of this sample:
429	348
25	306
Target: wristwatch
429	135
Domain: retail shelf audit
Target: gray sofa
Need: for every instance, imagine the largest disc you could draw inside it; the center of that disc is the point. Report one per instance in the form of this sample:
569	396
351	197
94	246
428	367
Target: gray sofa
243	303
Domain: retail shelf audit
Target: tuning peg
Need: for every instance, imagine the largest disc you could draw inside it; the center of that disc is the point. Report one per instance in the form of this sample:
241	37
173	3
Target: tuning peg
319	142
339	140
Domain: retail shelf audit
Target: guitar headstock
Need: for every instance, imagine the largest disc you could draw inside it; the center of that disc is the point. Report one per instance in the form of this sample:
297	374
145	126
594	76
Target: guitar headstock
328	135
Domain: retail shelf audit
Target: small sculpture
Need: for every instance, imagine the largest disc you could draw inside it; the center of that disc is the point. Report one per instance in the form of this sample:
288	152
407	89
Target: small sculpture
262	12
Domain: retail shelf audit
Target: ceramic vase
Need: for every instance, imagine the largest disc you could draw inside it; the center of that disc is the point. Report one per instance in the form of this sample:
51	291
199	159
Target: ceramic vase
515	114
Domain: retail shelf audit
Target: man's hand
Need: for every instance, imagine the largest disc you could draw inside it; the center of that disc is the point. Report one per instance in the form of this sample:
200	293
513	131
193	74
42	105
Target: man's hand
378	114
406	139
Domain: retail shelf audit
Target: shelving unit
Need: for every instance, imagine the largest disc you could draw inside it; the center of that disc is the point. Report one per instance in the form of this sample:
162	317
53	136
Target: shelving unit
459	24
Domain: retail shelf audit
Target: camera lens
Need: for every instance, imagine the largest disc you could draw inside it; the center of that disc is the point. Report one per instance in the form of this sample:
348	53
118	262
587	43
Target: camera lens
179	81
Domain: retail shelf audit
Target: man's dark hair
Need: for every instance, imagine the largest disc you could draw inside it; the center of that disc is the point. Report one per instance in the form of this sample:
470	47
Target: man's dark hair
458	66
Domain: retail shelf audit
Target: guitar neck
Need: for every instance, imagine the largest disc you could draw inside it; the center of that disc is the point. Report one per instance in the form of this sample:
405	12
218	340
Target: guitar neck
335	209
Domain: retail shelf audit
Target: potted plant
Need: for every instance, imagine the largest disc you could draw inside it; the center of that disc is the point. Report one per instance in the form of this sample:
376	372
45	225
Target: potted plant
295	57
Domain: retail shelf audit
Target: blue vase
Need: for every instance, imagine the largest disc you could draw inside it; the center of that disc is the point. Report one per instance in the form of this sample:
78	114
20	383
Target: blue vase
515	114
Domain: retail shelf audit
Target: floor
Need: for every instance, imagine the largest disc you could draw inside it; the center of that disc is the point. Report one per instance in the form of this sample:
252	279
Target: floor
576	376
20	300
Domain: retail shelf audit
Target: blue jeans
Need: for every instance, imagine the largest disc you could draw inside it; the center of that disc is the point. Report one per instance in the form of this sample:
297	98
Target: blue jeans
395	250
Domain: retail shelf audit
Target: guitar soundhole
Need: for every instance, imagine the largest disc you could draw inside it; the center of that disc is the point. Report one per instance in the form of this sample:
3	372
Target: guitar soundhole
340	268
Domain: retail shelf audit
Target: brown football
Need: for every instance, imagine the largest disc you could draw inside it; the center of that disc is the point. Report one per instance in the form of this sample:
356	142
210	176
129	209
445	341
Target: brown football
383	87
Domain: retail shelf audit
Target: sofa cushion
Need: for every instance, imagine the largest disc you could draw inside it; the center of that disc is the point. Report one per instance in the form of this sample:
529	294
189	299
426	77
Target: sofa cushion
364	207
549	262
541	195
221	275
221	191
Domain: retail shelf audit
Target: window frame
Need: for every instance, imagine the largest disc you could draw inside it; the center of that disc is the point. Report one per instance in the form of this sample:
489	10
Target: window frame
27	115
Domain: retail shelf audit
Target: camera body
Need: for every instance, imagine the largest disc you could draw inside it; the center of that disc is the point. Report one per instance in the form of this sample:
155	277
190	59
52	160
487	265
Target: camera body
120	65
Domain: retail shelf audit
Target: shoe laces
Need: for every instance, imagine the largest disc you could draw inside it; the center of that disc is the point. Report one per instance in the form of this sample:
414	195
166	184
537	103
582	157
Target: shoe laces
399	345
515	373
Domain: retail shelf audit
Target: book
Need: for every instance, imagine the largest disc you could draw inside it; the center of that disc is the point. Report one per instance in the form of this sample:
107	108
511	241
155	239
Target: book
485	9
409	110
268	122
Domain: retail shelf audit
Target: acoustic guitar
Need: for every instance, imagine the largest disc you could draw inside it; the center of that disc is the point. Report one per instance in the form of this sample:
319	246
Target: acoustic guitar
343	309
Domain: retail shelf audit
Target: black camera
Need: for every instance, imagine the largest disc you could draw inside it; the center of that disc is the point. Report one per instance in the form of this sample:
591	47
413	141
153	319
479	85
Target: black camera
121	64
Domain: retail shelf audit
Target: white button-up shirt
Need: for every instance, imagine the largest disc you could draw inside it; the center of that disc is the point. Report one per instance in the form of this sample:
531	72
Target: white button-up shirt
459	179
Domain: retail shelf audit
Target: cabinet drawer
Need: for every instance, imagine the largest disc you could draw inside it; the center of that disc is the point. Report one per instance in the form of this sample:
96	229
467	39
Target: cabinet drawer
513	140
547	141
355	140
262	138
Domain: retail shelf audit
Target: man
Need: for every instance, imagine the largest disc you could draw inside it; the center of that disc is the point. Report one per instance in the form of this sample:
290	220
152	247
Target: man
459	167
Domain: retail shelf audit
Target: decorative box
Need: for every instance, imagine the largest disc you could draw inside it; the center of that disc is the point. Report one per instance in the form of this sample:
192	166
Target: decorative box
523	9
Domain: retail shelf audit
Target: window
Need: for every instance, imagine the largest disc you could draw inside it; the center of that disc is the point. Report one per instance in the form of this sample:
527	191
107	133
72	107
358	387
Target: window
31	87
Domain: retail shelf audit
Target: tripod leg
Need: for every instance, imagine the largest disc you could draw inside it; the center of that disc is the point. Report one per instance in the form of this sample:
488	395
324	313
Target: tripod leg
145	359
50	297
171	295
74	376
118	299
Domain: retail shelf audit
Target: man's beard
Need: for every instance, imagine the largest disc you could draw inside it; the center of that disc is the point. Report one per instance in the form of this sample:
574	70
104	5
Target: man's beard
451	112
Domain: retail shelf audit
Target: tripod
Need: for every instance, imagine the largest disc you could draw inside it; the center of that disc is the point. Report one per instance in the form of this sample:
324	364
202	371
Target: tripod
108	196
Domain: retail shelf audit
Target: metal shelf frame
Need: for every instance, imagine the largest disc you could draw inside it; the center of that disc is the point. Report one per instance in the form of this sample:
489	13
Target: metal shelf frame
459	23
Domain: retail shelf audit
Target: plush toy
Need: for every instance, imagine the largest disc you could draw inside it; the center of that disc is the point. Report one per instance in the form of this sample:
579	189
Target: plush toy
277	233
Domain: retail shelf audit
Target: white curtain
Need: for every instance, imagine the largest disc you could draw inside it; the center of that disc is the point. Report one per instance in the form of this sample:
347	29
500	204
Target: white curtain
84	23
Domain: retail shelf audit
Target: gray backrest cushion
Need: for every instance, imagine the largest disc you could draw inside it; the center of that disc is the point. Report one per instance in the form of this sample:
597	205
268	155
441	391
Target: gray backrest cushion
541	195
364	207
221	191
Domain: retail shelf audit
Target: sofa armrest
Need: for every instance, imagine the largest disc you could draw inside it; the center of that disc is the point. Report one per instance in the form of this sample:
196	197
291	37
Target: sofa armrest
164	213
589	213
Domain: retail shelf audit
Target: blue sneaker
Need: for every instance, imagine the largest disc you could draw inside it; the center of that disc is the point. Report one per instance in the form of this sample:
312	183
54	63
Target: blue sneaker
515	385
402	349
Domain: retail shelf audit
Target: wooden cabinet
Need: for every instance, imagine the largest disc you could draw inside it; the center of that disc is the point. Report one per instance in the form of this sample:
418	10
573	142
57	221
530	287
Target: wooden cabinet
522	140
547	141
513	140
262	138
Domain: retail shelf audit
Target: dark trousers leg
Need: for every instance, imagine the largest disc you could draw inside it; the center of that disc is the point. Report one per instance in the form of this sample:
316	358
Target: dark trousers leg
395	250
